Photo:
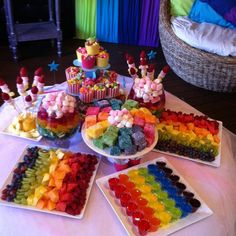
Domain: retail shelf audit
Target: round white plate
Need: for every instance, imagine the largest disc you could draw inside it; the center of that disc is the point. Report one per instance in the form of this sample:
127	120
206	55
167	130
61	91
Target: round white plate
106	152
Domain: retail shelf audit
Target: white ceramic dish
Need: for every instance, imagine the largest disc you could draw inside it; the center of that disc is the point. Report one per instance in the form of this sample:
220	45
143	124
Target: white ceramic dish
203	212
105	152
54	212
215	163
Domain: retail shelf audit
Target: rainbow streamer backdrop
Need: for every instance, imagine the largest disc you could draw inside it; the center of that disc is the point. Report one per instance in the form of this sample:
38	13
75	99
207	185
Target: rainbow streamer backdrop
119	21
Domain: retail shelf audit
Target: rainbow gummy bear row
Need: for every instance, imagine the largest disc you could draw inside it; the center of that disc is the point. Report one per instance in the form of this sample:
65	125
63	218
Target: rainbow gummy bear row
153	196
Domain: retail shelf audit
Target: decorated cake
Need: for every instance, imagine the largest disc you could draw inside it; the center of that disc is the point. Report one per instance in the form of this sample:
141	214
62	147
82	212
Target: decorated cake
51	180
147	90
92	55
58	116
120	128
188	135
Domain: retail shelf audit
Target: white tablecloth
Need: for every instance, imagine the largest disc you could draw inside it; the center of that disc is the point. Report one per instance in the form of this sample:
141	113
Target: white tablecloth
216	186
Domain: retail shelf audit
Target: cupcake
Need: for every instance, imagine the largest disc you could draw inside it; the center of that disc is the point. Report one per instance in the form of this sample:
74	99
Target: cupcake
99	91
102	59
79	52
113	89
86	94
92	46
71	72
88	62
74	85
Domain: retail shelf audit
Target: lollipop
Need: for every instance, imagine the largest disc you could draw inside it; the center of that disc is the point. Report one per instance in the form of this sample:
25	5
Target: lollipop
20	86
28	101
4	87
34	93
24	77
40	85
37	75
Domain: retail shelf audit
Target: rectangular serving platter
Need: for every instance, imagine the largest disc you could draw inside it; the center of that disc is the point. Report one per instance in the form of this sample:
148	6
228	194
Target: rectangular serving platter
54	212
215	163
203	212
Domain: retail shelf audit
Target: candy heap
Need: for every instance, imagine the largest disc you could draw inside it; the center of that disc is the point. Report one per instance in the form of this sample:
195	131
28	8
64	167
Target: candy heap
58	116
51	180
121	128
147	90
188	135
92	55
104	85
153	197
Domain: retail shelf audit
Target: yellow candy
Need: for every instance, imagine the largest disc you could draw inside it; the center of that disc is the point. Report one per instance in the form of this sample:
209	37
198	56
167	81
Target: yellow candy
164	217
157	206
150	197
138	180
133	173
145	188
95	131
145	110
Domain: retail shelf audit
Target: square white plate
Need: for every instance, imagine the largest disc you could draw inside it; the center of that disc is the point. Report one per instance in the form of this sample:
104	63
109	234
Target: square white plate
54	212
203	212
215	163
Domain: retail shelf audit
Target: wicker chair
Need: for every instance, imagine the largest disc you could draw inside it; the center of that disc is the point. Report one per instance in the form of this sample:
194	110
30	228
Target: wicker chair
195	66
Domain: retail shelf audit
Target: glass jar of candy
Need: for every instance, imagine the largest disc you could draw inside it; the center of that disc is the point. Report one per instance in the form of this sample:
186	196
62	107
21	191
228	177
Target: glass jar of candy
58	116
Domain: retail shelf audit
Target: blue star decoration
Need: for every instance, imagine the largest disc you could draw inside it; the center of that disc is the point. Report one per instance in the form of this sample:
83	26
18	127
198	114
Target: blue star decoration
151	55
53	66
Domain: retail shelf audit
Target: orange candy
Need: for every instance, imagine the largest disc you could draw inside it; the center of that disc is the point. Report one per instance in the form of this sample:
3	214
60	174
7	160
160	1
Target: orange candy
102	116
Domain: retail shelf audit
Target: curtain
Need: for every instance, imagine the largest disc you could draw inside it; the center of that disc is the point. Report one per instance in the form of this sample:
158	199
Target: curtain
148	31
107	20
85	14
129	15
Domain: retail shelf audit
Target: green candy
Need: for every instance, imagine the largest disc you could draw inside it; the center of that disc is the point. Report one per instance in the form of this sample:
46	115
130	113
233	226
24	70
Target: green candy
99	143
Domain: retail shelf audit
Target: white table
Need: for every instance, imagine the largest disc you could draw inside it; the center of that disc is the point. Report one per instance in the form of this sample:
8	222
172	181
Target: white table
215	185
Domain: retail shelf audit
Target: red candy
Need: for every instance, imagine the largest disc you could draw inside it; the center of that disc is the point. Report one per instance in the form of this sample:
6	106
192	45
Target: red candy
23	72
137	217
113	182
129	185
131	207
38	71
19	80
125	199
154	224
119	189
135	193
143	227
141	202
34	90
123	178
2	82
41	79
5	97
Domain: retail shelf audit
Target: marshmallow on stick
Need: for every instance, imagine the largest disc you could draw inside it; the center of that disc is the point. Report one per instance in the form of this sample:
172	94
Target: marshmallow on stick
20	86
143	67
133	72
37	75
127	58
151	71
41	83
143	57
4	87
28	101
34	93
131	62
163	73
24	77
8	100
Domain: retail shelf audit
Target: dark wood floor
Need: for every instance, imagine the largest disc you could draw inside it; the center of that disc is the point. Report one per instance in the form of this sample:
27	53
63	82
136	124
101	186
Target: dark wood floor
221	106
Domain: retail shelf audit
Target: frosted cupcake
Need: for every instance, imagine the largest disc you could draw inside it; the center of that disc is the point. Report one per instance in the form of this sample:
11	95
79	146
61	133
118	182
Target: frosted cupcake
92	46
102	59
86	95
79	52
88	62
71	72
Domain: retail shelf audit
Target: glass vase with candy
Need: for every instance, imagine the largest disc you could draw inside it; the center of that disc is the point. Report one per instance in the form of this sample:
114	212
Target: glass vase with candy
147	89
58	118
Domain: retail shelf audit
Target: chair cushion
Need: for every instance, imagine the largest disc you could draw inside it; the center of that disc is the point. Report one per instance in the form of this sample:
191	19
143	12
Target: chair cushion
226	8
203	12
180	7
205	36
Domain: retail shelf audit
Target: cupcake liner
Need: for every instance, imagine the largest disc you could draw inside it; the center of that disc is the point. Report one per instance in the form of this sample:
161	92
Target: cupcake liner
113	92
87	97
74	88
99	94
